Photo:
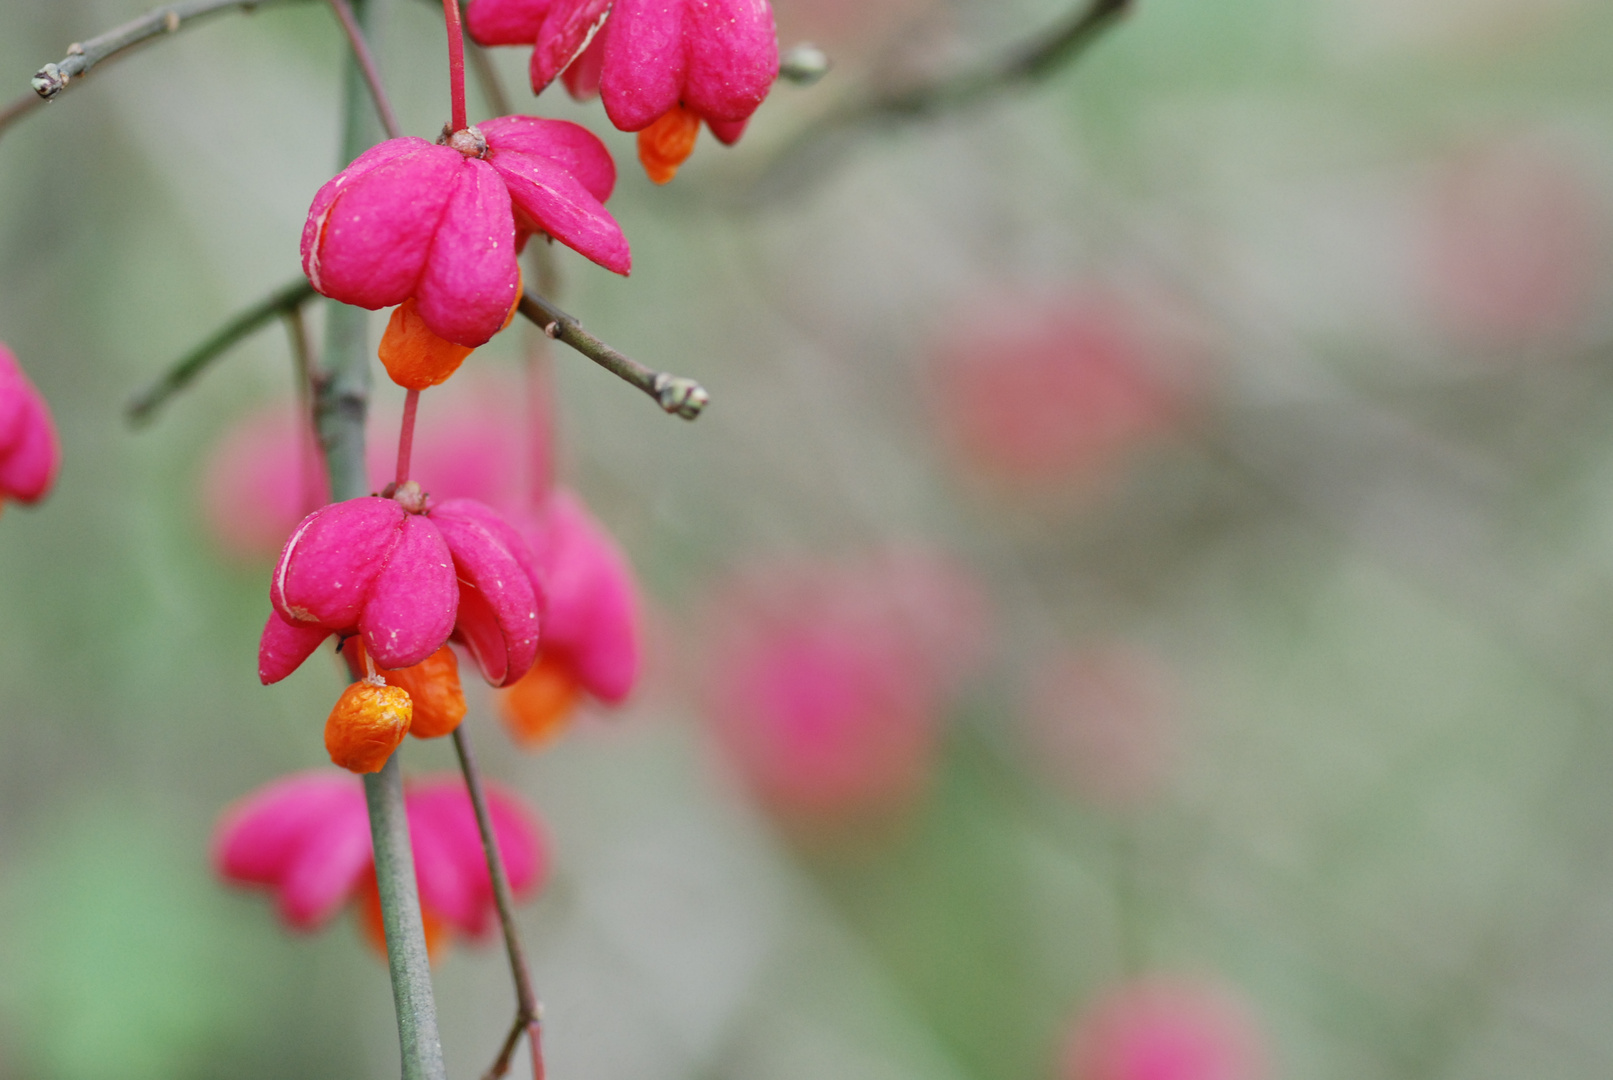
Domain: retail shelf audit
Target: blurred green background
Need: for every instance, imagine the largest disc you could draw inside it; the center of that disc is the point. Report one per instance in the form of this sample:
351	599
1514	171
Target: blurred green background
1373	552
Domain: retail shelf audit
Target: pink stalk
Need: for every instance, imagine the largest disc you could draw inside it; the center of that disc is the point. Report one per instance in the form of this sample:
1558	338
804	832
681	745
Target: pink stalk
411	405
456	62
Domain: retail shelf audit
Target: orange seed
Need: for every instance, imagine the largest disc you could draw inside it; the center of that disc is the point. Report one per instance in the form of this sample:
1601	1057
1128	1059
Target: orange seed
415	357
367	724
433	685
667	143
539	706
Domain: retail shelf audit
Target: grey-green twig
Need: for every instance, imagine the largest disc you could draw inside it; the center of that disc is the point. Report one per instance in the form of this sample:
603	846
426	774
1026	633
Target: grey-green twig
82	56
528	1013
675	394
281	302
1029	62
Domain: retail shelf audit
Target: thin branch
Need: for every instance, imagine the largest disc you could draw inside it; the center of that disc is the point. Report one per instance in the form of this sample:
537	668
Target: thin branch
366	65
282	302
1029	62
52	79
528	1012
675	394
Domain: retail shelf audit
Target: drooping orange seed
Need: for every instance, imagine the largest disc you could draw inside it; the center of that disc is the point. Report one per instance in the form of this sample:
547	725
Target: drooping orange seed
539	706
667	143
433	685
367	724
415	357
438	932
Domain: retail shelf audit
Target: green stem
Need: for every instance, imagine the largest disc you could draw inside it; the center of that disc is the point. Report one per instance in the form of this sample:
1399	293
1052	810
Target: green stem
405	932
341	397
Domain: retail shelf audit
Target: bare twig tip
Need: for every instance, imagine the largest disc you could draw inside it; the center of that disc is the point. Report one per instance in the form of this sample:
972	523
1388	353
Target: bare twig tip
50	81
804	65
680	396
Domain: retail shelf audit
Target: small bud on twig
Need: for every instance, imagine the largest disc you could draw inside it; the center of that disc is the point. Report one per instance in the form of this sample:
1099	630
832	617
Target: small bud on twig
804	65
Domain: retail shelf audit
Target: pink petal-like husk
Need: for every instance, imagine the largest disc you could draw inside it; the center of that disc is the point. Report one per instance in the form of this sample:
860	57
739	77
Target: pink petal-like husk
28	467
499	601
582	77
446	860
570	145
645	61
12	400
520	841
326	868
505	22
470	279
592	614
733	57
411	605
330	562
284	646
370	231
562	36
450	866
727	131
501	530
365	163
550	199
257	837
262	478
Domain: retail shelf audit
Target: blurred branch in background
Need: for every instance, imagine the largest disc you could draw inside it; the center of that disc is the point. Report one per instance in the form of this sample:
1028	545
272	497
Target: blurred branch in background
815	148
283	301
52	79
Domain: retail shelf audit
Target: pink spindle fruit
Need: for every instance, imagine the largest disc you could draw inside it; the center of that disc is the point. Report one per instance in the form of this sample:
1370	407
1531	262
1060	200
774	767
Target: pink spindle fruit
827	683
1165	1028
306	838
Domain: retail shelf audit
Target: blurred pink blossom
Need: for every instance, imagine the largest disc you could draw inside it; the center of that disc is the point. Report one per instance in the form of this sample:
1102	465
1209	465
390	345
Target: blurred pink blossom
827	682
1517	244
591	629
473	441
1102	723
1165	1028
1057	393
29	451
262	478
306	838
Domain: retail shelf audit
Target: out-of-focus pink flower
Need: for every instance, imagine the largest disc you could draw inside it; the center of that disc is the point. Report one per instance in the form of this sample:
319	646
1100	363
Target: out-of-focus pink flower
1165	1028
661	66
1055	393
306	838
1102	724
1517	245
826	683
405	579
265	475
29	451
591	627
262	478
438	224
471	443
